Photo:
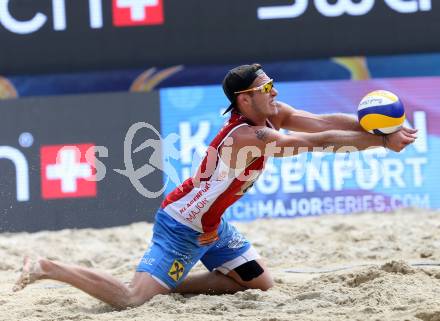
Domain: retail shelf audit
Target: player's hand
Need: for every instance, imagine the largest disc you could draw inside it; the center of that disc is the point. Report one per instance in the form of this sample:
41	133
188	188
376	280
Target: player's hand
400	139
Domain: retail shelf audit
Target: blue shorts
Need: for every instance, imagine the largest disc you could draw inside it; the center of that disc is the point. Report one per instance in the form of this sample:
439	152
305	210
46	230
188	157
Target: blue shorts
175	249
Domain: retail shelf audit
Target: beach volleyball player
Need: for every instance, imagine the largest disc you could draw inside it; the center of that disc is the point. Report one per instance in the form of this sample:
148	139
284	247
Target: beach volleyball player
189	226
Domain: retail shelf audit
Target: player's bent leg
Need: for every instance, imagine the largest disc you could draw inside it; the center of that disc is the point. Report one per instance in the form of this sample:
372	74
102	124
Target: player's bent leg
235	257
97	284
209	283
252	275
143	287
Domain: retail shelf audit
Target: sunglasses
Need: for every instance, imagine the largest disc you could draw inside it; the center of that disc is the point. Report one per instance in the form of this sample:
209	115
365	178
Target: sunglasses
264	88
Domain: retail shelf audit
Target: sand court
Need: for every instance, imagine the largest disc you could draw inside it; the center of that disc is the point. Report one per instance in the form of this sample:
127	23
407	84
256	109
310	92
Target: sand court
357	267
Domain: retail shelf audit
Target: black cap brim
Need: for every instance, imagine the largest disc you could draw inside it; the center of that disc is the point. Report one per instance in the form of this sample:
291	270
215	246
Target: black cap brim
231	106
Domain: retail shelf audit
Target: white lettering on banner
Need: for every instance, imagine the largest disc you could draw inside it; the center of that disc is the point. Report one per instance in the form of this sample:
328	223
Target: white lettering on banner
393	172
101	170
137	7
404	6
339	8
95	10
421	143
344	6
405	200
417	163
368	178
186	173
293	177
58	14
189	142
68	169
320	174
246	210
21	170
292	171
344	170
283	12
20	27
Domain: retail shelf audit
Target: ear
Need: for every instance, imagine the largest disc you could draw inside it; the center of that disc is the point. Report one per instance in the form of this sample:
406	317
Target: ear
243	100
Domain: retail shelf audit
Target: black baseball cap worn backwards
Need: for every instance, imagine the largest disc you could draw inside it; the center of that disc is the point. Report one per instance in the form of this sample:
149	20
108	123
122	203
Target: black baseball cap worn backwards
237	79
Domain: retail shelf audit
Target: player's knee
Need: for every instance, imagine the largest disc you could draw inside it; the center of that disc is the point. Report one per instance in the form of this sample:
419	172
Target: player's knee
133	300
249	271
253	273
266	284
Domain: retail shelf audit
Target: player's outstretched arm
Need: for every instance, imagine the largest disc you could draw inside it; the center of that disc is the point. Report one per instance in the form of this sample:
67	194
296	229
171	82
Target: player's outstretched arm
260	141
303	121
343	141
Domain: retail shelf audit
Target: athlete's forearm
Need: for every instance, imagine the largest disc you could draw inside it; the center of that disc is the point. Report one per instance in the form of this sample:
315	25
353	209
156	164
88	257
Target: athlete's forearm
327	141
345	140
342	122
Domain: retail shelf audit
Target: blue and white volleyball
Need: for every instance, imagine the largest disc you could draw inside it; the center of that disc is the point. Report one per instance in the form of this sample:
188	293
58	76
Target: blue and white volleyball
381	112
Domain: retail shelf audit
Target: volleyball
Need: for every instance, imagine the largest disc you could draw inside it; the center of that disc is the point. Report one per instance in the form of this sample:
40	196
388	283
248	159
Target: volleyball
381	112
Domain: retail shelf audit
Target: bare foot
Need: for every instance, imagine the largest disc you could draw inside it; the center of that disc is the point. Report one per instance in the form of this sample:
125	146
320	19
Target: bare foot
31	272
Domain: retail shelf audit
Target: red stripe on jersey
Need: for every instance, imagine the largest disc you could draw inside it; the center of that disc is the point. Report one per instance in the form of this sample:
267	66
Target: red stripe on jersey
201	174
211	219
179	192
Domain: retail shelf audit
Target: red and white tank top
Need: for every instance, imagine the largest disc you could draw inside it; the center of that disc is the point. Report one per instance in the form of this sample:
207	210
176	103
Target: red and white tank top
201	207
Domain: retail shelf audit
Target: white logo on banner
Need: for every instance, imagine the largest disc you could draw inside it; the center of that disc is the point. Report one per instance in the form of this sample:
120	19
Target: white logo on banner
163	149
68	169
137	7
339	8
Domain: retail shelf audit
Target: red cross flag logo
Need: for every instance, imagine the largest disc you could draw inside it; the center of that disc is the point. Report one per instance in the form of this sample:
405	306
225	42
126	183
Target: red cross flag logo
66	173
137	12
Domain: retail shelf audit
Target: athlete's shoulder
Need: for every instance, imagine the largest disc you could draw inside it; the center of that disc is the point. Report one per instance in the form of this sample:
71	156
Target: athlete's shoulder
284	111
244	135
